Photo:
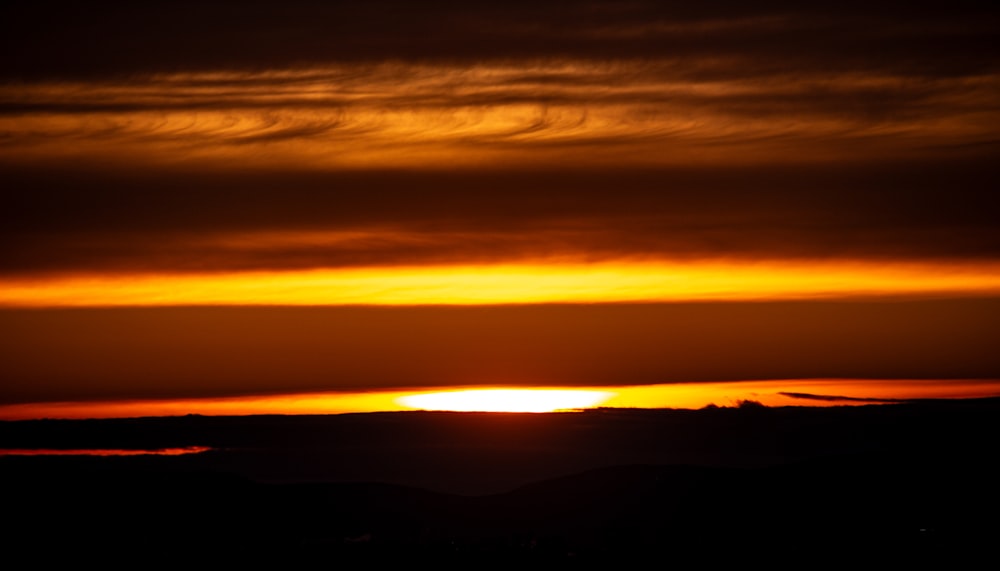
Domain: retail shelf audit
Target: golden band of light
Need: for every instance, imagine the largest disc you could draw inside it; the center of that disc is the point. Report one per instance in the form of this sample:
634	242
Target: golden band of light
542	399
506	284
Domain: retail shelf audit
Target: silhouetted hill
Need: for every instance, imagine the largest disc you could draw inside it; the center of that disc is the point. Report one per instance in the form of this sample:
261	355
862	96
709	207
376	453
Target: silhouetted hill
902	483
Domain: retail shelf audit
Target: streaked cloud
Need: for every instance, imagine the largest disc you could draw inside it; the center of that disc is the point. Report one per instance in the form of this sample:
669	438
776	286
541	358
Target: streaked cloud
303	136
425	116
101	39
84	220
841	399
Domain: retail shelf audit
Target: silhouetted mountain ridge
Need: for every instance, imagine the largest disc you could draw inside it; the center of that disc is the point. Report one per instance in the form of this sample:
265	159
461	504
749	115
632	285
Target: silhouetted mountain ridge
913	481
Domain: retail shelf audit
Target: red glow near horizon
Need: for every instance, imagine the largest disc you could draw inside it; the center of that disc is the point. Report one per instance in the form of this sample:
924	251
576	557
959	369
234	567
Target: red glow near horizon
675	395
102	451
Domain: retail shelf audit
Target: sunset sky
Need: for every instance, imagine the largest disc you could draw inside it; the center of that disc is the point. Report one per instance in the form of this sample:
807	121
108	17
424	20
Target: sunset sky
218	204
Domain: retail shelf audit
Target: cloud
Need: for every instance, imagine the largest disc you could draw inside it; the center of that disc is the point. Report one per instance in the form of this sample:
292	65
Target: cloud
654	111
493	132
152	220
833	398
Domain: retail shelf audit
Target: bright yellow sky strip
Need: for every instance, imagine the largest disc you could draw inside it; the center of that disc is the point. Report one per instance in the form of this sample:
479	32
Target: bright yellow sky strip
510	284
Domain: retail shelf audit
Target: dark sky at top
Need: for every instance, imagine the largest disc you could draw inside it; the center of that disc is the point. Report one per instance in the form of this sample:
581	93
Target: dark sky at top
923	39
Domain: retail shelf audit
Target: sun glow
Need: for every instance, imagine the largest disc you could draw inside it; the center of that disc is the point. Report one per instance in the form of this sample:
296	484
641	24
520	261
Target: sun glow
507	400
622	281
673	395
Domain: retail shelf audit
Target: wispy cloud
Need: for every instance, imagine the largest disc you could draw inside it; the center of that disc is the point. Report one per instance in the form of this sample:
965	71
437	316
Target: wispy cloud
59	220
303	135
834	398
421	115
108	38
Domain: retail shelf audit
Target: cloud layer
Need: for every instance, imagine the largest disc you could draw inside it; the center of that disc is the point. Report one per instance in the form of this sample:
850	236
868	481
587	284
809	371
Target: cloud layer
80	220
191	137
553	112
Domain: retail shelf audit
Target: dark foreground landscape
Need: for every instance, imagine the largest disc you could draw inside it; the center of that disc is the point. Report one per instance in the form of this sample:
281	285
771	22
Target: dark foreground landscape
894	483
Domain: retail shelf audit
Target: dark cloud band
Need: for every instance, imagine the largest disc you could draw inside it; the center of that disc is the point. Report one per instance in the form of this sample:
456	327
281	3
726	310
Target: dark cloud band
48	39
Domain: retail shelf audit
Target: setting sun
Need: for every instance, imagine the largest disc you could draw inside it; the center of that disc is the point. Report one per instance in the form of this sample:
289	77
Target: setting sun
506	400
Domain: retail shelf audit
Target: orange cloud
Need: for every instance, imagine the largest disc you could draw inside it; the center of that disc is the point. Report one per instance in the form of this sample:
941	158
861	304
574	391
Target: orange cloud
447	115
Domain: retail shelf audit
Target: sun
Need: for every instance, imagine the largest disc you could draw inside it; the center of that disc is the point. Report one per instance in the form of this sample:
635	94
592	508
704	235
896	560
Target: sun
506	400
